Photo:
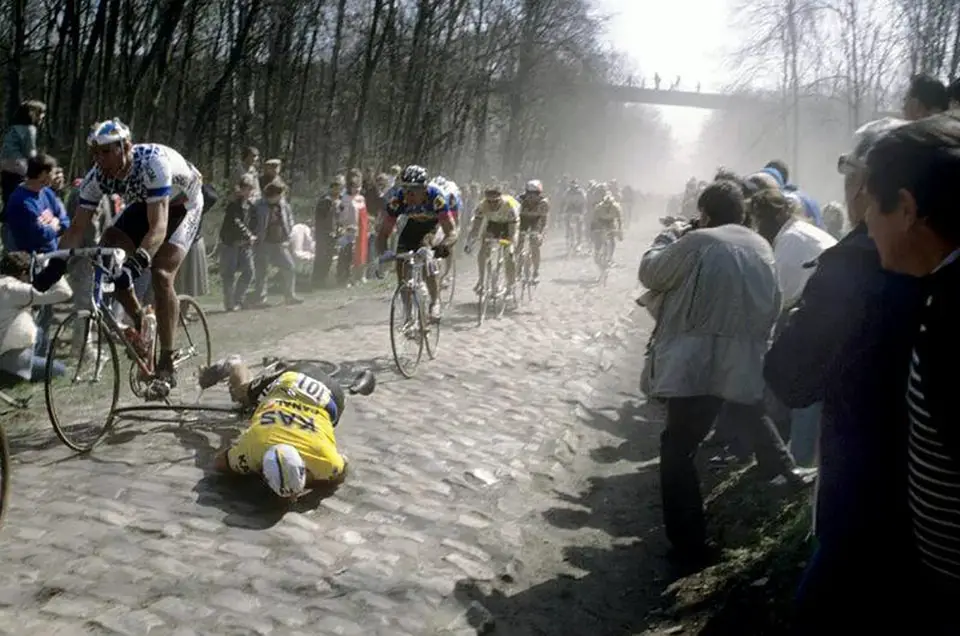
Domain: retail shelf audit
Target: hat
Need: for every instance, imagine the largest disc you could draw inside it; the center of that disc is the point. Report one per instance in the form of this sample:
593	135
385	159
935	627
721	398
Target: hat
865	138
762	181
272	162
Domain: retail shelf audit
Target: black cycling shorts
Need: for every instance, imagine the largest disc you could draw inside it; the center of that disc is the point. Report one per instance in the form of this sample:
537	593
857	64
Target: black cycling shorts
413	233
498	230
531	223
182	225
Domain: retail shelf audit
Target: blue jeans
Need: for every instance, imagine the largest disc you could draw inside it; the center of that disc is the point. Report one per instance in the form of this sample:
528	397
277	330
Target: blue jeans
804	430
30	364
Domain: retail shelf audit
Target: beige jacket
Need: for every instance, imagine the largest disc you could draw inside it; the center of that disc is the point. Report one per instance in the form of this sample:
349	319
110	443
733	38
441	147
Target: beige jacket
720	299
17	327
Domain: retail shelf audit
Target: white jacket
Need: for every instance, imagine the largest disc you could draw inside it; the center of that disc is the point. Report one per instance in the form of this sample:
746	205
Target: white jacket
17	327
797	243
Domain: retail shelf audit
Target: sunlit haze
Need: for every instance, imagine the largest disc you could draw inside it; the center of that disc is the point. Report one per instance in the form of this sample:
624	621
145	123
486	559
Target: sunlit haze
686	38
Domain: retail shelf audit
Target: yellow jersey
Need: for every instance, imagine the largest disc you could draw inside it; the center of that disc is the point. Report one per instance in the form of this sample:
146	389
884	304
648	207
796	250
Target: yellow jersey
295	410
507	212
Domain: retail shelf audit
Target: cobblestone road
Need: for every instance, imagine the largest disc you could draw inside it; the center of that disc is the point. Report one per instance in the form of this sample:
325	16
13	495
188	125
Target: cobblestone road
447	469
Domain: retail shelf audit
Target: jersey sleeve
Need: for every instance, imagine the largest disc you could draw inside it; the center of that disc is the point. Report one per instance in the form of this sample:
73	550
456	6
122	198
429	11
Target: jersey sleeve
438	201
89	193
245	456
325	465
158	179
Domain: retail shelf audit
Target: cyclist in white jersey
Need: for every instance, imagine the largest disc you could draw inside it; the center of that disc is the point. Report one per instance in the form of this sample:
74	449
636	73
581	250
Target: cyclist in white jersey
164	202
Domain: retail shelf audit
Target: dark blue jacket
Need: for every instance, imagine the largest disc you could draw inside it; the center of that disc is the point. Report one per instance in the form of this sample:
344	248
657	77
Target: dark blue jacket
28	215
848	344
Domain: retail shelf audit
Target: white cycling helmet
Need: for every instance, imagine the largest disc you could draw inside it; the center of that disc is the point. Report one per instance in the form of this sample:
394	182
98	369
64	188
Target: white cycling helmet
107	132
284	470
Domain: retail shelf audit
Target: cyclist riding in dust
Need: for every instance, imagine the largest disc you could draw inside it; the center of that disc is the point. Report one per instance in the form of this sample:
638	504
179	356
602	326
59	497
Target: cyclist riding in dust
607	219
534	211
164	200
429	224
496	217
290	439
574	210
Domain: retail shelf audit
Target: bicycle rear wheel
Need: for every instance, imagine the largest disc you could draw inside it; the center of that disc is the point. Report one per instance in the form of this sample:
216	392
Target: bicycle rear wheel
406	328
449	279
82	381
4	473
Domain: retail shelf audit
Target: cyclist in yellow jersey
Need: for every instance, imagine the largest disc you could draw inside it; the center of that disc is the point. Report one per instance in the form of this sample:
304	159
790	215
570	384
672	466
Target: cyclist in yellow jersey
498	217
290	439
607	217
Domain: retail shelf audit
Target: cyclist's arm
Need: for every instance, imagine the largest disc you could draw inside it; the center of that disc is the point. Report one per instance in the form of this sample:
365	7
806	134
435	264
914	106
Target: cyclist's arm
476	223
243	457
450	234
89	196
159	187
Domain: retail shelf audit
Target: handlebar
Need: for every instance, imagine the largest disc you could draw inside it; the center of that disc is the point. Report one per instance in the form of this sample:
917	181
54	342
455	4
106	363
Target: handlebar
118	254
410	255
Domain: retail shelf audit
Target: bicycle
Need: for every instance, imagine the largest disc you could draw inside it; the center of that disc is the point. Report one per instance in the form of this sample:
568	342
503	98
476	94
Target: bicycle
525	264
95	333
409	311
604	257
494	288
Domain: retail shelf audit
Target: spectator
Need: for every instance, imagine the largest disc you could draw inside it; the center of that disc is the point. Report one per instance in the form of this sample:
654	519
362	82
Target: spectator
834	219
250	166
796	245
236	244
719	305
20	355
274	222
271	172
925	96
35	217
779	171
80	270
395	171
953	94
326	217
19	145
352	227
847	345
912	185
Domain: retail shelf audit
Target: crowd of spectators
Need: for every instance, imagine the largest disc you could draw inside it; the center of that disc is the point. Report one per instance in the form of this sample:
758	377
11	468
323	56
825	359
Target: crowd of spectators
776	321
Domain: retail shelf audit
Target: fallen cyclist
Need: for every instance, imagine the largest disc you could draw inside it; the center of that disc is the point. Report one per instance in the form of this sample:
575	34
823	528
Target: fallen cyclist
290	440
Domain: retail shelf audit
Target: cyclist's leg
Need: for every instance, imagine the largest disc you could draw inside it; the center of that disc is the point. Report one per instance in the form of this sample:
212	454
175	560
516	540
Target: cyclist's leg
432	240
510	263
535	243
184	225
482	255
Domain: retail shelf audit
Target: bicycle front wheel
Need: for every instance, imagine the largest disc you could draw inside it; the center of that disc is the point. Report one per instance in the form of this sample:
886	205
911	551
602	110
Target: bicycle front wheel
406	330
191	349
82	380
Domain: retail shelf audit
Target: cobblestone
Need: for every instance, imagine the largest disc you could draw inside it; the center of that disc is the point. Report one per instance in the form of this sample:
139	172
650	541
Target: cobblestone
447	470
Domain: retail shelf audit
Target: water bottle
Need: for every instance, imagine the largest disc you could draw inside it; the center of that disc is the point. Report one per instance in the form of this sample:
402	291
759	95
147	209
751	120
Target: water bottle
148	330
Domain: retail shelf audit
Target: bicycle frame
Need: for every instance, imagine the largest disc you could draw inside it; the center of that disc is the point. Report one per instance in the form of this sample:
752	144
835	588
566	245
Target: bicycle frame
100	312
